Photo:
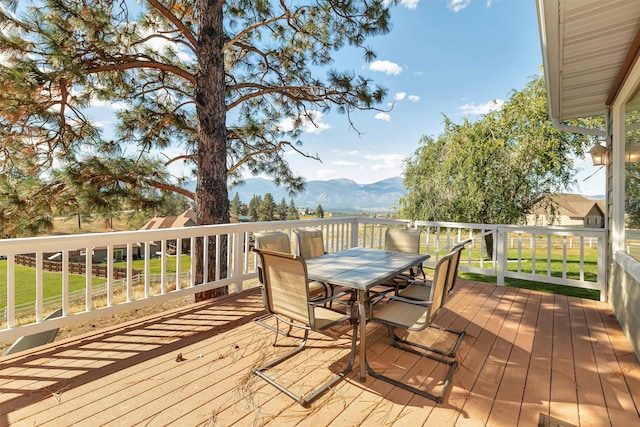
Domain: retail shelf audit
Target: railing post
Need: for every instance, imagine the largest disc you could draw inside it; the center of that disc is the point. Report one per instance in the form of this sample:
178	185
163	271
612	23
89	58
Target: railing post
237	259
355	230
602	266
500	253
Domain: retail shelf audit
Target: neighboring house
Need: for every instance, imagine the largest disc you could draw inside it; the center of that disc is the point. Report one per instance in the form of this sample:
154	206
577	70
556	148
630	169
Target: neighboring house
186	219
119	253
591	58
568	210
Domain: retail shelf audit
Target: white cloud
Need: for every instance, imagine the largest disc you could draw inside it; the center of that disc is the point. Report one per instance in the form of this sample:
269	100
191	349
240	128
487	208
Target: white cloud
383	116
414	98
485	108
458	5
312	123
387	67
383	162
400	96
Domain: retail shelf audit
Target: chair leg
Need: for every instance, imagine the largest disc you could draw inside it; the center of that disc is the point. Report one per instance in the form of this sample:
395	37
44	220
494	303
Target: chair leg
395	339
306	399
453	364
261	321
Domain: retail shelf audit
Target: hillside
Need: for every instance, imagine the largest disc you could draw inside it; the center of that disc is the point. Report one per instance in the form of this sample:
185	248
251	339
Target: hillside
336	194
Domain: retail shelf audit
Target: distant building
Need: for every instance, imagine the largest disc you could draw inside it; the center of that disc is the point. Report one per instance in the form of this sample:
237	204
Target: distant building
187	219
570	210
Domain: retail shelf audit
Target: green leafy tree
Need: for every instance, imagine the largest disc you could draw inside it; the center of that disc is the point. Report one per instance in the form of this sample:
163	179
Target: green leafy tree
213	80
281	210
267	208
493	170
292	211
320	211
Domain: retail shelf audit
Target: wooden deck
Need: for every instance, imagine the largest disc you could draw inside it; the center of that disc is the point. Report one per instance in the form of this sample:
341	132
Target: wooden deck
525	354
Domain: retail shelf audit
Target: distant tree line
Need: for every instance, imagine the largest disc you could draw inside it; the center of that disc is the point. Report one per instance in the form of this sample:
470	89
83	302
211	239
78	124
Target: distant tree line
265	209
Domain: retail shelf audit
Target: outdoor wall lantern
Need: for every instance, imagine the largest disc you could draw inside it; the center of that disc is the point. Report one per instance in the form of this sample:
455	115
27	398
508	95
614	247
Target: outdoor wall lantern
631	151
598	154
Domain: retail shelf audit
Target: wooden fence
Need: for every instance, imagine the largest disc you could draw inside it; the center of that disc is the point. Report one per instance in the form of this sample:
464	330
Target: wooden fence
74	267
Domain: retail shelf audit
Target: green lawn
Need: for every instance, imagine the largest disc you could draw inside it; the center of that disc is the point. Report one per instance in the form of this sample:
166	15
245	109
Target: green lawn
572	270
52	282
26	284
155	266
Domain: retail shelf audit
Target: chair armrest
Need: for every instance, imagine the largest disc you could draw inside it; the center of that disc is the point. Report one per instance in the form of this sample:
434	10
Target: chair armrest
328	299
410	301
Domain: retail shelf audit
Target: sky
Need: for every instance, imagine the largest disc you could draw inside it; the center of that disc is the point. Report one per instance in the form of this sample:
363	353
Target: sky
454	58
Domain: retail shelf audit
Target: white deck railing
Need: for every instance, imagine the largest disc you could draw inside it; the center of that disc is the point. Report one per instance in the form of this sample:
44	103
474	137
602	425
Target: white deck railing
555	255
510	246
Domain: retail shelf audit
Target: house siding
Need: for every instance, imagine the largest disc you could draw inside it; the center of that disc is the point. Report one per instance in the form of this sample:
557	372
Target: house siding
624	299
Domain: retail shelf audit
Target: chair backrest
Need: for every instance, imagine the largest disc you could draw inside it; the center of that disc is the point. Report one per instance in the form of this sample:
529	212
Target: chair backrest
309	243
35	340
452	274
402	240
277	241
439	284
286	290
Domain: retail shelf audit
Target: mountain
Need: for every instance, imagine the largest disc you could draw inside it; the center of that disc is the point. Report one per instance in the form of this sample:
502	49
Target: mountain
339	194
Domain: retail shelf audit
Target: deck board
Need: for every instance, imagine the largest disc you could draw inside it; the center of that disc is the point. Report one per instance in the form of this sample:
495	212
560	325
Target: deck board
526	353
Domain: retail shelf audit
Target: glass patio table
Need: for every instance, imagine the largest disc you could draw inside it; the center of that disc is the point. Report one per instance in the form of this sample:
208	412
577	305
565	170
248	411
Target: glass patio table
361	269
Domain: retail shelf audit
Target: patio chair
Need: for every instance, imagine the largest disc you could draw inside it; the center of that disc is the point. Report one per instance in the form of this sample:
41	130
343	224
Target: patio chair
287	298
413	315
421	290
28	342
309	243
278	241
408	241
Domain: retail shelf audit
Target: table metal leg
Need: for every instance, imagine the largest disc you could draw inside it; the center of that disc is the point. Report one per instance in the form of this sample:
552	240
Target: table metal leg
362	312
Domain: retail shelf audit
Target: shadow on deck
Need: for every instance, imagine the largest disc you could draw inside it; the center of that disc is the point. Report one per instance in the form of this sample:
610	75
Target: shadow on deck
525	354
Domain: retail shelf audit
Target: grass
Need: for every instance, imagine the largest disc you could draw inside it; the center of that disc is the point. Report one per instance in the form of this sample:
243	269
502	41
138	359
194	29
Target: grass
52	282
25	289
155	266
571	267
536	286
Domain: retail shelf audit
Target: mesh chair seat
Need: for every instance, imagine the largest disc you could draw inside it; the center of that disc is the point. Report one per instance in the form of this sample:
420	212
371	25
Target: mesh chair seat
421	290
417	291
401	315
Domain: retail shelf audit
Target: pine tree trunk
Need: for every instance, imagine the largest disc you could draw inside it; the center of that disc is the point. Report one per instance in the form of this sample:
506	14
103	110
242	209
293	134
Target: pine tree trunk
212	200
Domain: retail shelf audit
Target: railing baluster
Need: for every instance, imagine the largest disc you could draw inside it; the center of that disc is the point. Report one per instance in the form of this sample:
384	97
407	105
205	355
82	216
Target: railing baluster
519	252
194	263
11	291
109	275
163	267
147	267
582	257
549	245
129	278
65	282
564	257
88	277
